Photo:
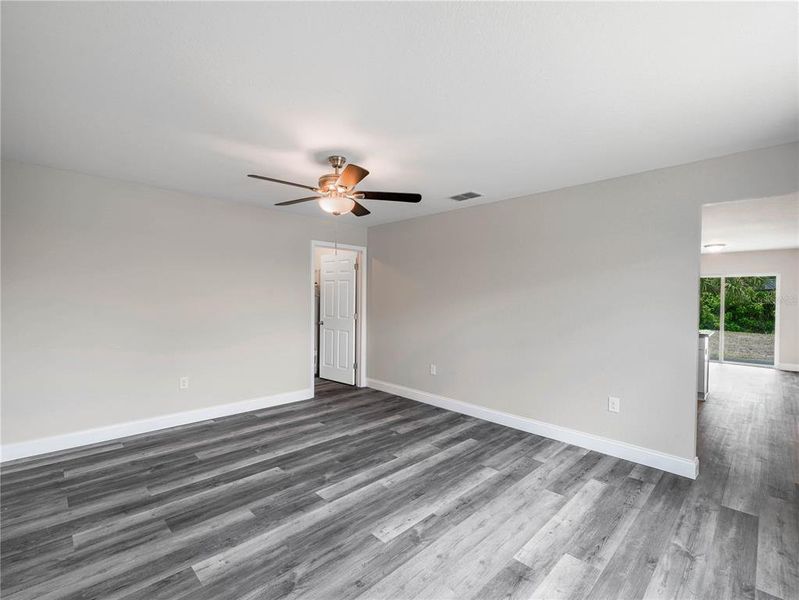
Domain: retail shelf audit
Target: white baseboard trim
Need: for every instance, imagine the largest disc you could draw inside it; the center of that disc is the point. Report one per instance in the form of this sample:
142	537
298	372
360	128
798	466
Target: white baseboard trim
788	367
637	454
121	430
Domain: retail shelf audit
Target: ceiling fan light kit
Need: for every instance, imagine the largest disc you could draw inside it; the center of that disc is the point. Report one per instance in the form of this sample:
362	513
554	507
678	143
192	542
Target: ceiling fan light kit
336	191
336	204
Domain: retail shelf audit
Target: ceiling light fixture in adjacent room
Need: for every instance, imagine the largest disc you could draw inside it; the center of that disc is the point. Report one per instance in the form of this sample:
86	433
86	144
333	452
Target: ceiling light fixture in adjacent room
714	247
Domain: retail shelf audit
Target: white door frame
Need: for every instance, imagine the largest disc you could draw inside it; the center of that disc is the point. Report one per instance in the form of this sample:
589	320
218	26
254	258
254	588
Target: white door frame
360	308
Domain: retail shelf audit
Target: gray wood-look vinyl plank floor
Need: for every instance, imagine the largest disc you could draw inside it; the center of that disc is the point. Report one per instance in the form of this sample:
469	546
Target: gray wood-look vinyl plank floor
358	494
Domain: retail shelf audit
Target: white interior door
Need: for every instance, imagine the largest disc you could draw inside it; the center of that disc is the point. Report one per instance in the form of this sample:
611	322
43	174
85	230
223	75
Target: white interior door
337	318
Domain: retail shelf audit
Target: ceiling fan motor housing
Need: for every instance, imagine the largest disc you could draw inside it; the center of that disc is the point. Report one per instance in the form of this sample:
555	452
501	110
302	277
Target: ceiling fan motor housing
327	183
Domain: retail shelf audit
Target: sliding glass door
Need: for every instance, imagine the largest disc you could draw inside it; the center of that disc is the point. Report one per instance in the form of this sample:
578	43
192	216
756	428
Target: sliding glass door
749	309
741	311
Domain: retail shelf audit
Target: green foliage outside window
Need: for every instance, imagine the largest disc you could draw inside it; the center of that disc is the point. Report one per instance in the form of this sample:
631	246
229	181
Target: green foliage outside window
750	304
709	303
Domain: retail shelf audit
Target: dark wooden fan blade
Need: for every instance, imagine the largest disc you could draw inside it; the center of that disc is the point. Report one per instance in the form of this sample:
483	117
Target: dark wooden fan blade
297	201
392	196
299	185
359	210
351	175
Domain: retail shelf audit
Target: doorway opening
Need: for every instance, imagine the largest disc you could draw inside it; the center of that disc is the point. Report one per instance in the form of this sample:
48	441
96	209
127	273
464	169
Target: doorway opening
747	269
338	313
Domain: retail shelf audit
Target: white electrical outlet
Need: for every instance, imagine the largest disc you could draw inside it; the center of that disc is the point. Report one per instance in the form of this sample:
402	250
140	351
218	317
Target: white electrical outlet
183	383
433	369
614	404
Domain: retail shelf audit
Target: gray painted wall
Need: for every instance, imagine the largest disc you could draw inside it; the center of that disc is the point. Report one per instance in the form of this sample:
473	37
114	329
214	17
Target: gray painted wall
112	291
542	306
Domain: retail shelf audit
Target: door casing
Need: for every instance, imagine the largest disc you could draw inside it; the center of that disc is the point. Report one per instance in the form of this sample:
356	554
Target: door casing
360	308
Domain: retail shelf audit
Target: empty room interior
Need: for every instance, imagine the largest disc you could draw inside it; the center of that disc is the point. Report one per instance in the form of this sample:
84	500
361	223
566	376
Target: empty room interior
399	300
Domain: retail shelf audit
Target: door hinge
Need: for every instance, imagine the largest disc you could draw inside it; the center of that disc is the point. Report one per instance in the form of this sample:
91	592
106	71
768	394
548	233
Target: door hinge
355	366
355	316
356	266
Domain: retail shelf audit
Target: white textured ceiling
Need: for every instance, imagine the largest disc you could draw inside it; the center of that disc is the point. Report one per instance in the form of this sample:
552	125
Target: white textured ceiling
763	224
504	99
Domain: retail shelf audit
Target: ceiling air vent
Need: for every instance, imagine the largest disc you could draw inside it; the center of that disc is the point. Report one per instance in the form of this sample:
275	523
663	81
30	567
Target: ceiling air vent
465	196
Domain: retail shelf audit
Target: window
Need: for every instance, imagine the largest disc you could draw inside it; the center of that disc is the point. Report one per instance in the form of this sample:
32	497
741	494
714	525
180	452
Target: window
741	311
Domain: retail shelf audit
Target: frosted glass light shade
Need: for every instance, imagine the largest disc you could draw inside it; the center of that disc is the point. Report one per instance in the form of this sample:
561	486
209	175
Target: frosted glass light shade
335	204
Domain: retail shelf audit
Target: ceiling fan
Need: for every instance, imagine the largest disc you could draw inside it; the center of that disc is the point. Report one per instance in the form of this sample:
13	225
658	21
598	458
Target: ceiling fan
336	191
